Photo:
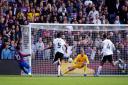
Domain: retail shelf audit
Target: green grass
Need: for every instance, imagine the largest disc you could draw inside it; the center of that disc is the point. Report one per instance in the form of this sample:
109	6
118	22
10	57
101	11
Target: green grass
20	80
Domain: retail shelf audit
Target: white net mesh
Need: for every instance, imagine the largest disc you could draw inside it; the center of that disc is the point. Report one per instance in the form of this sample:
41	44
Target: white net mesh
76	35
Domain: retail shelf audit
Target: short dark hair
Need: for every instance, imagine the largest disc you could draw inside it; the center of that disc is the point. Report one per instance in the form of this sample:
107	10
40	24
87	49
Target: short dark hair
58	34
104	36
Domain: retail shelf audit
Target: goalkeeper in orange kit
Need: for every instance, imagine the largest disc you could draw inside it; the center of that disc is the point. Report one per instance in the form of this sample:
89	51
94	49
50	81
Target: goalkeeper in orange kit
81	61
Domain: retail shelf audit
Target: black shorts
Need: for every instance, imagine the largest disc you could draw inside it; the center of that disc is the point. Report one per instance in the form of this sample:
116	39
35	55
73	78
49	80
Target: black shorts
107	58
57	56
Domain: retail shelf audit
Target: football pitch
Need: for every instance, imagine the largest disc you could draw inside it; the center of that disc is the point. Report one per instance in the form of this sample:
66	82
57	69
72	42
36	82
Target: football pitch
35	80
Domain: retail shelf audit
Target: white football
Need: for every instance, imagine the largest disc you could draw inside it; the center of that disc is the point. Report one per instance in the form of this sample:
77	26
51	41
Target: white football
70	60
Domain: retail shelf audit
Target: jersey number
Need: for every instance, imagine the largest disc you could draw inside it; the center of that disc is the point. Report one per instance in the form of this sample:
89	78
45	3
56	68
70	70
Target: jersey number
108	46
59	45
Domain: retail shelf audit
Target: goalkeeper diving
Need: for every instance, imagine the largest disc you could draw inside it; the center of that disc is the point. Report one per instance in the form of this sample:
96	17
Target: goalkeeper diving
81	61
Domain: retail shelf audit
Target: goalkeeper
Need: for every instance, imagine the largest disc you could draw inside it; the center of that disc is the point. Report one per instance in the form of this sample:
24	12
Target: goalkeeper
81	61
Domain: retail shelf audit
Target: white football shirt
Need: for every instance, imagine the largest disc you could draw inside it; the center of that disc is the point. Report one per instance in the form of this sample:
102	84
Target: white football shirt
59	44
108	47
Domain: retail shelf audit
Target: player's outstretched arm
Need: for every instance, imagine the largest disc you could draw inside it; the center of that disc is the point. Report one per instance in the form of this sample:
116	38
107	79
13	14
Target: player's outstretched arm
24	55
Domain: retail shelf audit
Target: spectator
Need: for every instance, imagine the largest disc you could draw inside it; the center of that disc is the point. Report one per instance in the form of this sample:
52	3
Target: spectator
93	13
33	48
47	52
104	20
15	9
123	14
5	36
105	12
40	48
62	10
93	53
13	34
6	52
87	2
18	33
117	6
12	48
117	20
32	15
98	41
20	16
88	51
2	24
96	20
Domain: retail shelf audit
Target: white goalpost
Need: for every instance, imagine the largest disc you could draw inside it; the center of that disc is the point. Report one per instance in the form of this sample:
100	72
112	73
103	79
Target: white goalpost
88	36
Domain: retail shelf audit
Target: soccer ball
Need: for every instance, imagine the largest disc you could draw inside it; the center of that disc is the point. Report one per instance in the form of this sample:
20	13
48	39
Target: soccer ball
70	60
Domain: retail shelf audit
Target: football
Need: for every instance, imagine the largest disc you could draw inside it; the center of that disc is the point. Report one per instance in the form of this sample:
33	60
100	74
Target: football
70	60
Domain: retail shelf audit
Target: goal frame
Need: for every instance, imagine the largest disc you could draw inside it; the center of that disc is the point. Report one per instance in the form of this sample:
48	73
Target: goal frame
30	25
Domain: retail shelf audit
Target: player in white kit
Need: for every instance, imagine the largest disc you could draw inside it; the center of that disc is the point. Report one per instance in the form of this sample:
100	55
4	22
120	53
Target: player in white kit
107	52
59	49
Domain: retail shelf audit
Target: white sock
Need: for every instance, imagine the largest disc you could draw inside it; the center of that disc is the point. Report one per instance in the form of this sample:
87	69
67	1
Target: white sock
29	71
59	71
56	62
99	70
116	62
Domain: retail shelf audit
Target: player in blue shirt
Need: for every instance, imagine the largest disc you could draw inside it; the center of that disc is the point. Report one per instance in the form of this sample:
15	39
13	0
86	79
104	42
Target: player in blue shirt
22	63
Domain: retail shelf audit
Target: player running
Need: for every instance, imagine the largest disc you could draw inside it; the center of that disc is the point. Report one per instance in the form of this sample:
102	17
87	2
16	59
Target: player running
79	62
22	63
59	49
107	52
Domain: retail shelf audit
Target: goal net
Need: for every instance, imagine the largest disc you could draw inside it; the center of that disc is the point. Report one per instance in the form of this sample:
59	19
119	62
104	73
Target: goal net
38	36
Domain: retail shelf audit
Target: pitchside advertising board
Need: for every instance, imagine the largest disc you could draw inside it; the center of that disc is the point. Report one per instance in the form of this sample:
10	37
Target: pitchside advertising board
9	67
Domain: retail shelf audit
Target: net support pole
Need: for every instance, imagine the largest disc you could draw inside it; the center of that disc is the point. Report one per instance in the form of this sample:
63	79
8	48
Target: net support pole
30	50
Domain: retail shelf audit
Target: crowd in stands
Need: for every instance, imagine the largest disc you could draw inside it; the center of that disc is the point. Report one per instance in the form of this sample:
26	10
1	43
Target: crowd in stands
14	13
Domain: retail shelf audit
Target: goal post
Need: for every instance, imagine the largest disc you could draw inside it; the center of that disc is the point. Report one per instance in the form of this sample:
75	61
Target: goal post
26	44
88	36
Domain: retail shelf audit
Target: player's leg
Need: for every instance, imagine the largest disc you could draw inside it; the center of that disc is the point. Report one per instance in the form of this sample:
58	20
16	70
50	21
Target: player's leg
70	69
103	60
110	59
59	63
85	69
57	60
27	67
59	67
24	70
121	65
116	63
21	64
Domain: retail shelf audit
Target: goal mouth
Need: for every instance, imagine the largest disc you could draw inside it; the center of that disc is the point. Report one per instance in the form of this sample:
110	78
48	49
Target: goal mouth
88	36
